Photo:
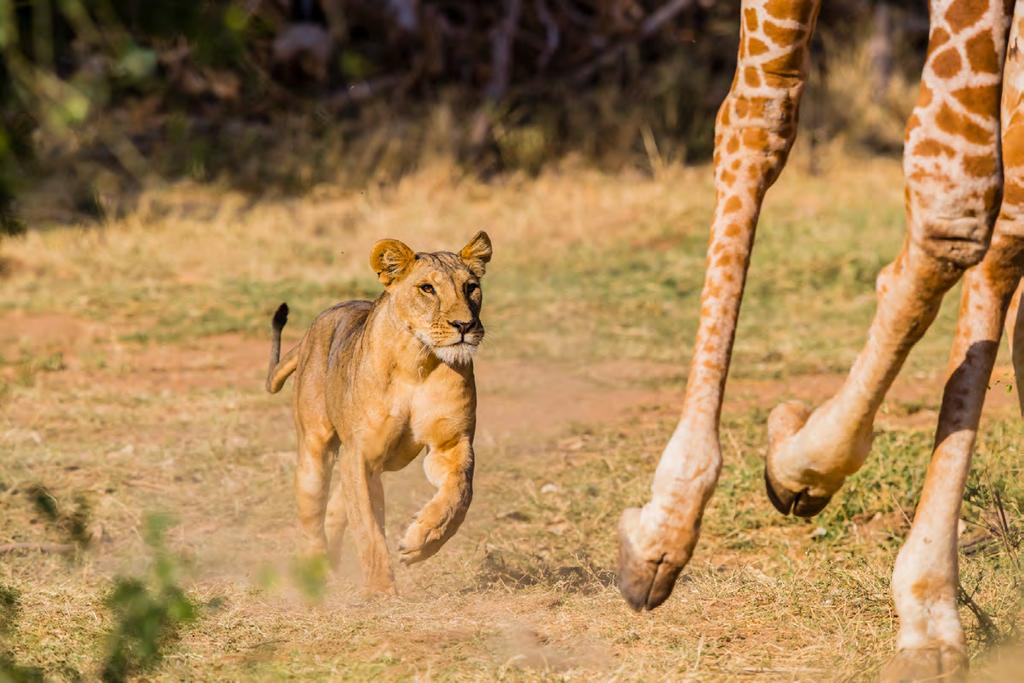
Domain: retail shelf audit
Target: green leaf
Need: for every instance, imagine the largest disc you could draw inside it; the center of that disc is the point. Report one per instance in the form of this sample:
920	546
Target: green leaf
137	63
235	18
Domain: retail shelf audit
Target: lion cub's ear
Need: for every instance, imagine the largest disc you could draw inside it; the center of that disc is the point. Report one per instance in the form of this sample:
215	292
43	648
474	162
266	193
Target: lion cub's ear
477	253
391	260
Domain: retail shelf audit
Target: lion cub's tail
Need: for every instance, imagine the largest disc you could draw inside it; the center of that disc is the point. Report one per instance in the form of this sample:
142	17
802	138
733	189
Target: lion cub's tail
280	369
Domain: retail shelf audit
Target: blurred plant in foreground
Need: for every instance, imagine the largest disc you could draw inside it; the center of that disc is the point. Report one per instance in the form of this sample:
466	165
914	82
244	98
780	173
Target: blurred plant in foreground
148	612
73	525
310	575
10	670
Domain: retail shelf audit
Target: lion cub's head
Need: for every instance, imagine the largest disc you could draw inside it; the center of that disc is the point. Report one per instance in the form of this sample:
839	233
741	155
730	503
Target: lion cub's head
437	295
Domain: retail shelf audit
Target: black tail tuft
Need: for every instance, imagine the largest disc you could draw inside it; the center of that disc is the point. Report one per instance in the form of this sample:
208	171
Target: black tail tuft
280	317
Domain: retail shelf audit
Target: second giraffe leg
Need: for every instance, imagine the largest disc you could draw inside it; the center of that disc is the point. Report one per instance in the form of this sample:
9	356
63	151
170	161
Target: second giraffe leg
754	131
953	175
925	581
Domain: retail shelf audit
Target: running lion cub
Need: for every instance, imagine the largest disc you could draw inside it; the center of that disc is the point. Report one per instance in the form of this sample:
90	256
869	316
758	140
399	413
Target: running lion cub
384	379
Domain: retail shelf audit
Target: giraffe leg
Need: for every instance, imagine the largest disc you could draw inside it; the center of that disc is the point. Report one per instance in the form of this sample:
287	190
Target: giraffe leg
925	580
953	174
754	131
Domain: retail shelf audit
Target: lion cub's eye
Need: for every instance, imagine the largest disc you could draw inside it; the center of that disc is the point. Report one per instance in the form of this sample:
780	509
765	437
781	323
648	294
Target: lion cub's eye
427	289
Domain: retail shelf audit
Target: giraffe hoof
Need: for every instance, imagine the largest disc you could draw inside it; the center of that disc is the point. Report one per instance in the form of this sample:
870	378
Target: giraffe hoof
925	664
644	583
797	503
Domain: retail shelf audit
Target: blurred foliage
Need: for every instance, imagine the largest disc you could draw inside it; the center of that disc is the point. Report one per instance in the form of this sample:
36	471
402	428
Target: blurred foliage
9	608
129	90
10	670
73	525
147	611
310	575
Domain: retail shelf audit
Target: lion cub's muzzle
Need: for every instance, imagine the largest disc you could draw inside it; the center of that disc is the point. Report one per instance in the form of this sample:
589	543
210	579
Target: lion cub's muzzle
469	332
460	346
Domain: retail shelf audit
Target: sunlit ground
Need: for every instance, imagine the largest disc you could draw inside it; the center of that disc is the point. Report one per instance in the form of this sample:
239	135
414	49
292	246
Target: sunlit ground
132	369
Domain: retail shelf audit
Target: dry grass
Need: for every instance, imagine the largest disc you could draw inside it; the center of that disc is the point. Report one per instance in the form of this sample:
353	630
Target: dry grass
131	375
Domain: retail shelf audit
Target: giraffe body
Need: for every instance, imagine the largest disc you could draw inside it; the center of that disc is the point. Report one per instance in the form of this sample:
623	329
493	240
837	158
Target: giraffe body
964	171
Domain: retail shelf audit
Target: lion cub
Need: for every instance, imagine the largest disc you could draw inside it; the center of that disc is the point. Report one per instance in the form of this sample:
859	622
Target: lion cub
383	379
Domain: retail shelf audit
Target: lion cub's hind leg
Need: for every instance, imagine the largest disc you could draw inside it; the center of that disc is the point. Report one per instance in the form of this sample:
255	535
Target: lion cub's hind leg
317	450
336	521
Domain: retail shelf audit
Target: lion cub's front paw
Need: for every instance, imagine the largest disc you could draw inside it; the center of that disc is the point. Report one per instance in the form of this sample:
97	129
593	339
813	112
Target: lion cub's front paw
379	589
419	542
431	529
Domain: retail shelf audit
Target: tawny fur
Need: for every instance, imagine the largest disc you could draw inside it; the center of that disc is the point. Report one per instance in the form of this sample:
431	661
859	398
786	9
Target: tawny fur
383	380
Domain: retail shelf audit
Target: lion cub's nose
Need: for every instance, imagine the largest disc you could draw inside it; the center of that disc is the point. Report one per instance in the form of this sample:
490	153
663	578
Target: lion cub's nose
461	325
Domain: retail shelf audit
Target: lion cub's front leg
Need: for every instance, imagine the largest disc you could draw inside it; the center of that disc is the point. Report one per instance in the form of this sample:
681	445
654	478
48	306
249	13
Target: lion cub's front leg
364	508
450	469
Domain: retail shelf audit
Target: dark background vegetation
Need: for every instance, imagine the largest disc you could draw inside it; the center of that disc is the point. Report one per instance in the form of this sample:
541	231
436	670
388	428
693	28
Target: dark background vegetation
273	95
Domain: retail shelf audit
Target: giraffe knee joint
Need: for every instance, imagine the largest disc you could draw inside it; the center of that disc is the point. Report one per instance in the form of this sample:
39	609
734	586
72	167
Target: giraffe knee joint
884	280
961	241
758	126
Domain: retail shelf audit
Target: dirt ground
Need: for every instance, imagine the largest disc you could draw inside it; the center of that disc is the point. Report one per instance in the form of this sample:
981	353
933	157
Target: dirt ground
136	411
